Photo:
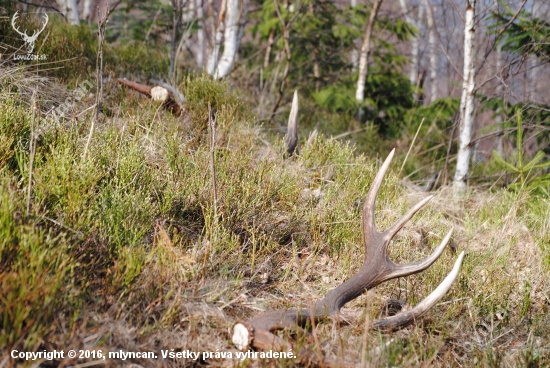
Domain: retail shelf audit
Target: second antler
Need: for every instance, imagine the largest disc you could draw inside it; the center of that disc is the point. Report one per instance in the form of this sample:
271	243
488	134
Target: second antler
259	332
171	99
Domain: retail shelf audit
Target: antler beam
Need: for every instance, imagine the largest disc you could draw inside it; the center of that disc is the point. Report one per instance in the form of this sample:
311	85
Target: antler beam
168	96
259	332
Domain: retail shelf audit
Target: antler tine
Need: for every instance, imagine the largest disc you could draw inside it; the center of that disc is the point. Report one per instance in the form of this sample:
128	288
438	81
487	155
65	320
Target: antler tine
406	318
416	267
291	139
259	332
390	233
370	203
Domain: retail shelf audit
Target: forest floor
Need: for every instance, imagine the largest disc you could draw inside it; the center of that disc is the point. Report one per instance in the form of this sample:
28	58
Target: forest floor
119	245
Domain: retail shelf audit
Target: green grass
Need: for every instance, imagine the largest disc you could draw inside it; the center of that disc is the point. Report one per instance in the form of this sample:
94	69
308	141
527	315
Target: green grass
122	250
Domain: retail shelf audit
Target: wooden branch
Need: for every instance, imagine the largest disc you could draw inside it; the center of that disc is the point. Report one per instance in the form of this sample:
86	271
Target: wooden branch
500	34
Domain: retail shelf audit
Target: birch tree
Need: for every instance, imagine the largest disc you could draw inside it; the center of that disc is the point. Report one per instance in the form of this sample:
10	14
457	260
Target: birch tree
498	118
200	34
433	54
466	101
87	9
413	74
69	9
364	55
228	25
230	40
354	52
218	36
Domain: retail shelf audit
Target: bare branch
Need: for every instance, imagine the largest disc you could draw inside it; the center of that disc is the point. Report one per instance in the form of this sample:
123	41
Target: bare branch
500	33
45	6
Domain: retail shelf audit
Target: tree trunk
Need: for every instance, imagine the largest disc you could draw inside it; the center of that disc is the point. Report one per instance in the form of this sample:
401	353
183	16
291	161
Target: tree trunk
214	55
69	9
230	40
415	40
177	12
218	36
316	71
242	23
364	55
354	52
466	102
498	65
270	41
87	10
433	55
200	35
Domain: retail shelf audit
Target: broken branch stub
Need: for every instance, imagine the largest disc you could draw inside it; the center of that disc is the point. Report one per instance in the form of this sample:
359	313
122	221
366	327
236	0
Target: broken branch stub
260	331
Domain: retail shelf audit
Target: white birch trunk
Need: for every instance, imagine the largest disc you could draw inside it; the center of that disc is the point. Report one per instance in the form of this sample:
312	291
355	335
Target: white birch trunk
415	40
200	34
214	55
87	9
230	40
69	9
433	55
466	102
364	55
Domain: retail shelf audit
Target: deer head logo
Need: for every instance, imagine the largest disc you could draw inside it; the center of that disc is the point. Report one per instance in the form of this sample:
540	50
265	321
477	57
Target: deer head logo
29	40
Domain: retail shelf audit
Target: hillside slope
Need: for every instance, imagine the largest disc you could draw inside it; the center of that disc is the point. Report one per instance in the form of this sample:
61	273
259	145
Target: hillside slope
125	249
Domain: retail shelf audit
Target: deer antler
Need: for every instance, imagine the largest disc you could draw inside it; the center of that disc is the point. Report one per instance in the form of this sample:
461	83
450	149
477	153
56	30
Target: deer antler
166	94
377	268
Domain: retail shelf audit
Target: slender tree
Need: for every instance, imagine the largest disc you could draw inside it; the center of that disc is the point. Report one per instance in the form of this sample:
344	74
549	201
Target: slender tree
413	74
354	52
177	11
87	9
242	23
364	55
466	101
231	30
230	40
200	34
433	54
498	65
217	39
69	9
